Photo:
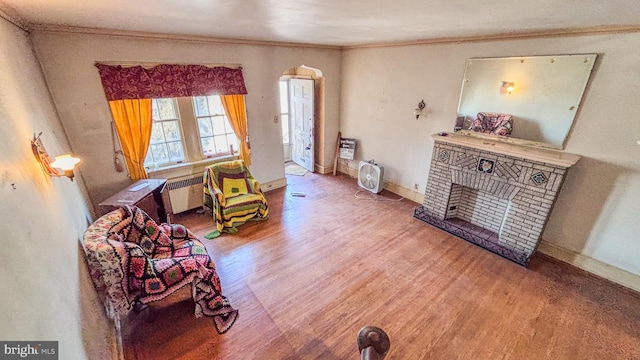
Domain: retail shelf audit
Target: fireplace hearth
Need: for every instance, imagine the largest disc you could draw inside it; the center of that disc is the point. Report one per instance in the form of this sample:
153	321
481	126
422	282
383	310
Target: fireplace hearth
496	195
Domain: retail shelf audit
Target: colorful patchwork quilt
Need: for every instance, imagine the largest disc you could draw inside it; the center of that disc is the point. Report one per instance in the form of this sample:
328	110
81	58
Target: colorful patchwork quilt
233	196
132	260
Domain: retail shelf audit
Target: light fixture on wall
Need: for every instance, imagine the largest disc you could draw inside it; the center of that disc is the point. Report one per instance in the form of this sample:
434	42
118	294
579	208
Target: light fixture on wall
419	111
507	87
64	162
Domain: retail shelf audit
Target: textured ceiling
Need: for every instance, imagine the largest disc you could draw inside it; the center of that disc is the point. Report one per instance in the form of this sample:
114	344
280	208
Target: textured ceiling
328	22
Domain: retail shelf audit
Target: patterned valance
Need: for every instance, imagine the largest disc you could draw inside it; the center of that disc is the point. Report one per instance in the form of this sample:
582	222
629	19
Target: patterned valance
168	80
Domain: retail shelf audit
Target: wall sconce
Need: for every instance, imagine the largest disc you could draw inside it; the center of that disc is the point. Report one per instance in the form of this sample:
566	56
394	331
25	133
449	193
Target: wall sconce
507	87
64	162
419	111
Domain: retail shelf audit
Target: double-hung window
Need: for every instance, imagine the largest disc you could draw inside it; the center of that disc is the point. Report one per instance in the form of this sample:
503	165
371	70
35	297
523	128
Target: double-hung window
215	133
166	145
189	129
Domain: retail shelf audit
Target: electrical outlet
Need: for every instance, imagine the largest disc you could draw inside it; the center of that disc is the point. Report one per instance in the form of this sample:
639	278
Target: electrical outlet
415	186
276	119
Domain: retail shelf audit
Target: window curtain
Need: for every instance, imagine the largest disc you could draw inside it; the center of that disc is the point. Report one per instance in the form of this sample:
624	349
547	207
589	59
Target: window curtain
123	86
237	114
132	118
169	80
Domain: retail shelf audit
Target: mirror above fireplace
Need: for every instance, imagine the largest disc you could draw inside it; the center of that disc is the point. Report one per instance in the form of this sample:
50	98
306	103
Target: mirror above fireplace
542	93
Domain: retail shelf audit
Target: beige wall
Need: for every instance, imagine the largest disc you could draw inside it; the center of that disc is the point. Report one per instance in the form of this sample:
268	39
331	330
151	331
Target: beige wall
374	92
597	214
46	290
68	62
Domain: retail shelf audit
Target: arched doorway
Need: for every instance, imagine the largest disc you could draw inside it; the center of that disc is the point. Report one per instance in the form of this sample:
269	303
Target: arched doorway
292	90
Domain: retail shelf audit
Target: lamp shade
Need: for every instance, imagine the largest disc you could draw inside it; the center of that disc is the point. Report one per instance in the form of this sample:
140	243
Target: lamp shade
507	87
65	162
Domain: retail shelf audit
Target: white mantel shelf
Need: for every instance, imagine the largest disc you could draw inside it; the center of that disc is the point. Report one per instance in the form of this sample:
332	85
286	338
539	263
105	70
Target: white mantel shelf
558	158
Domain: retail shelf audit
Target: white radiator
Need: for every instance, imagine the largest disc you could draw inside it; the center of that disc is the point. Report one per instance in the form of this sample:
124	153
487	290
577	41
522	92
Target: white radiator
185	192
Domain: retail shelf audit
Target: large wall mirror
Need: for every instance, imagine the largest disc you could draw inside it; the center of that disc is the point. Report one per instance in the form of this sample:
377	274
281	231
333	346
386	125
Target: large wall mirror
542	93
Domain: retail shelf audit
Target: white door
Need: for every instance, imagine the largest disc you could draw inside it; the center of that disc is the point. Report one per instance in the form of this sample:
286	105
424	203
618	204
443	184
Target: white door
301	115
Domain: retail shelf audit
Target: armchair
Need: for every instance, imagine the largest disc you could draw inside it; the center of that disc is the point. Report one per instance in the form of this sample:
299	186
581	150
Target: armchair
133	261
233	196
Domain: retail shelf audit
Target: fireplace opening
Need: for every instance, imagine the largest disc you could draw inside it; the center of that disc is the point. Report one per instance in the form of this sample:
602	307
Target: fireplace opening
476	207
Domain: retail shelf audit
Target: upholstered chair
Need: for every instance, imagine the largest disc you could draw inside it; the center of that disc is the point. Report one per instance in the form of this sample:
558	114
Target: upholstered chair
233	196
135	261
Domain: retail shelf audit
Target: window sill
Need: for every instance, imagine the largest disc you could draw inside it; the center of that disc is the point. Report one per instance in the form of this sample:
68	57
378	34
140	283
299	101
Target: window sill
188	168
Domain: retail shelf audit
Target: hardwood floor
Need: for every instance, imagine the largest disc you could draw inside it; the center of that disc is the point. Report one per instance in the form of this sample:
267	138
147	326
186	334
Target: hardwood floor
327	264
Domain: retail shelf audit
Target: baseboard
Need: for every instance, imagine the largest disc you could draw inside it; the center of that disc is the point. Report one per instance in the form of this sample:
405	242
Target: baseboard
404	192
394	188
323	169
272	185
343	168
591	265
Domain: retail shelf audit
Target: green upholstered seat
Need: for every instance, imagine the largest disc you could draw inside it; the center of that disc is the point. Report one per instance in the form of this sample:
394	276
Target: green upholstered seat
233	196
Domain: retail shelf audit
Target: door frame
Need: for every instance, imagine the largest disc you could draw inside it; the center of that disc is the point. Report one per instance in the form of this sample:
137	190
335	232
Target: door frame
322	165
302	122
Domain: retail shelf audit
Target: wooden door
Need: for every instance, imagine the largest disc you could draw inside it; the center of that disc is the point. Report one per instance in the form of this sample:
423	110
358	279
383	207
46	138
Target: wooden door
302	120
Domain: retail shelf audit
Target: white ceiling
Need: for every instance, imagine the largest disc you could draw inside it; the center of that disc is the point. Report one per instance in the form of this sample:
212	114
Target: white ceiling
328	22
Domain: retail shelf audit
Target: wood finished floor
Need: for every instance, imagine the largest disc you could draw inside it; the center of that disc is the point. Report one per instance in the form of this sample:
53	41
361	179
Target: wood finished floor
327	264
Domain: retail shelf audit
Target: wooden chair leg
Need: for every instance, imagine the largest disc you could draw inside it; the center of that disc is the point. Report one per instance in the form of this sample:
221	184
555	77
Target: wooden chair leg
139	308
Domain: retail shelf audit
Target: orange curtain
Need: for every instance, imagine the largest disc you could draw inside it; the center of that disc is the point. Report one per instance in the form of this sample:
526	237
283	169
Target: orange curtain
237	114
132	118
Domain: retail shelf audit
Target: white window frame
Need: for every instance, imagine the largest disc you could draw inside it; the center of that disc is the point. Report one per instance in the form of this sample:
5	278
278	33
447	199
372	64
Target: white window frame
284	112
159	122
191	139
228	130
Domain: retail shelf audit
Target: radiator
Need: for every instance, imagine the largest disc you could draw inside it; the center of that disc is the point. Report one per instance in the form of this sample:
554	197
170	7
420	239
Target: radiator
185	192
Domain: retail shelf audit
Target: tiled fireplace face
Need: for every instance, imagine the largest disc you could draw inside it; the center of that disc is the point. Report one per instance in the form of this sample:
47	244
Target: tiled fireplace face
497	201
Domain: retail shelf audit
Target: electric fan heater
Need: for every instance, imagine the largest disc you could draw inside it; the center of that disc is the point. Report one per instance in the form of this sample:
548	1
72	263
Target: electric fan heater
370	176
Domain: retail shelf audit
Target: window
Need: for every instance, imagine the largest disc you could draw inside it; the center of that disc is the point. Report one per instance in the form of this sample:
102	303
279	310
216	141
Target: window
178	120
284	110
166	146
216	135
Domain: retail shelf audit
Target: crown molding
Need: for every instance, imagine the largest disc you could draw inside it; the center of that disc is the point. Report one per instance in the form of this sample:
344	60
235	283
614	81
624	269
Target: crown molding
180	37
595	30
12	16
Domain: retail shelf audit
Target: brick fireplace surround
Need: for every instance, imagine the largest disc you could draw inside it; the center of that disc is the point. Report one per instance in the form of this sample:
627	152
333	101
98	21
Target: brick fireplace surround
493	193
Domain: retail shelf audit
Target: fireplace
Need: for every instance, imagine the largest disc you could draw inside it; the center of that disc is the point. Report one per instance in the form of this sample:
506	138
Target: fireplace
476	207
495	194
